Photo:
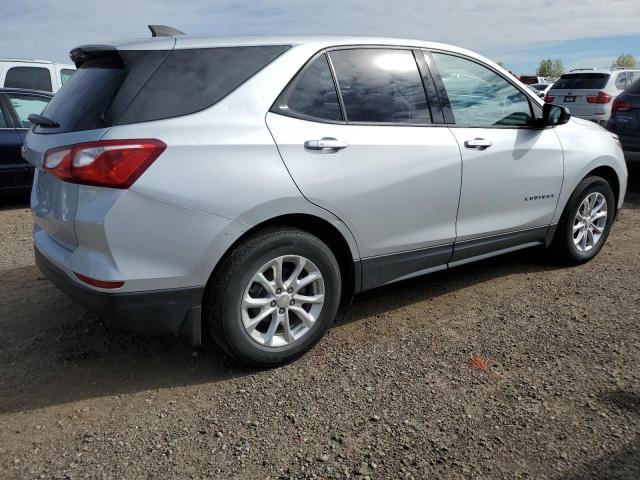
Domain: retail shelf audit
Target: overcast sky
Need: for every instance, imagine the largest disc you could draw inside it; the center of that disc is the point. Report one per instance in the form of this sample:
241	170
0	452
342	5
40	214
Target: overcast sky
518	33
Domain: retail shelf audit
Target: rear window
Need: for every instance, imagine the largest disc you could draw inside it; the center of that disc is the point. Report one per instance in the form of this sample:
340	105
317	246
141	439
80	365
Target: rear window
34	78
140	86
575	81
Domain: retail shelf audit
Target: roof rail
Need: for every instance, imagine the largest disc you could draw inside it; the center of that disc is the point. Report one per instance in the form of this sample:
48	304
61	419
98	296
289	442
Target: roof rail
582	69
26	60
625	68
164	31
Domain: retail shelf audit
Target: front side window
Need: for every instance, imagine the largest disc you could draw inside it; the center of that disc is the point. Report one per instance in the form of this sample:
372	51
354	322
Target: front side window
380	86
479	97
33	78
311	94
25	105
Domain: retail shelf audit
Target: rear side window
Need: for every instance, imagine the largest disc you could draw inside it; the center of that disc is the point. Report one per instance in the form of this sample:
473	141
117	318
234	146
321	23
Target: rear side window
33	78
576	81
380	86
24	105
311	94
65	74
191	80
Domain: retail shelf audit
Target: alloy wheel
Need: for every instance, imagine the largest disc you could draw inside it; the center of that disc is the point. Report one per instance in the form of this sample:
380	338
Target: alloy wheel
590	222
282	301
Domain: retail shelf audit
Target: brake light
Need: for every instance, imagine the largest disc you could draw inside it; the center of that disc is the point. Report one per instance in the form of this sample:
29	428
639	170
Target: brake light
601	97
99	283
549	98
621	106
106	163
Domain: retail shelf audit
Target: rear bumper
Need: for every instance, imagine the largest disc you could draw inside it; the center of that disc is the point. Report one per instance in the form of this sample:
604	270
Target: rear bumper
155	312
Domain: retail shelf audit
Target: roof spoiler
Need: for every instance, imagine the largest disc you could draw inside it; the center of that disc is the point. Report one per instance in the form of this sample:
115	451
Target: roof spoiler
164	31
81	54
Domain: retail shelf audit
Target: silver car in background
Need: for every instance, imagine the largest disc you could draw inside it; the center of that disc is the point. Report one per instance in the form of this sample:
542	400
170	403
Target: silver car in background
589	93
249	187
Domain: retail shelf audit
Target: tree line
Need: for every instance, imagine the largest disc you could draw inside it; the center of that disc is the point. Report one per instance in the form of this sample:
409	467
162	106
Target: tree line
554	68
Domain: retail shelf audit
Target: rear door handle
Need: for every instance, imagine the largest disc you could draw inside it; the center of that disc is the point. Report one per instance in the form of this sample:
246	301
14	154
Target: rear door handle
326	144
479	143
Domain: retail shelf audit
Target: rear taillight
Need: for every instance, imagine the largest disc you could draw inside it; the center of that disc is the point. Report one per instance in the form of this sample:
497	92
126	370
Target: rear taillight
621	106
549	98
601	97
106	163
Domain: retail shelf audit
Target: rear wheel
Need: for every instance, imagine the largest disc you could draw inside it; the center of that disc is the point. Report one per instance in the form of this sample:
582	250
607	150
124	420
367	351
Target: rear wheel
585	224
273	297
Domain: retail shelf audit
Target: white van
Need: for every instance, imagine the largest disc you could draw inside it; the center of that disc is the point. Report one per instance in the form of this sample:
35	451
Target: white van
34	74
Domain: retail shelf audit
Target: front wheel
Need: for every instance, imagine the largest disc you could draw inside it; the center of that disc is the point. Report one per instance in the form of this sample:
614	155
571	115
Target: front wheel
585	224
273	297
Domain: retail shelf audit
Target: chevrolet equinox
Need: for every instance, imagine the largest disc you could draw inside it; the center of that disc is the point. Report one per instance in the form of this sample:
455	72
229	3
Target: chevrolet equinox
248	187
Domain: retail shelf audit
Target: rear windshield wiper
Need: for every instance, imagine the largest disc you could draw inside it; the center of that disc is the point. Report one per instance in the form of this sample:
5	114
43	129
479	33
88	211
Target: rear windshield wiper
43	121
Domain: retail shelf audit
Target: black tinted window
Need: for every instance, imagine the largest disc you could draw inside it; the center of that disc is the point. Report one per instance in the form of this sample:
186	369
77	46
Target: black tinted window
191	80
575	81
138	86
34	78
312	93
81	102
380	86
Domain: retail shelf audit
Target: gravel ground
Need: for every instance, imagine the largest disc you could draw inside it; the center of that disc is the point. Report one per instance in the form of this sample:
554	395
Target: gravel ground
389	393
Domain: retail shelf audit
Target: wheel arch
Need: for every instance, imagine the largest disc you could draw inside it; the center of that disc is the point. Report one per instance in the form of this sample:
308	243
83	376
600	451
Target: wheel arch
325	230
610	175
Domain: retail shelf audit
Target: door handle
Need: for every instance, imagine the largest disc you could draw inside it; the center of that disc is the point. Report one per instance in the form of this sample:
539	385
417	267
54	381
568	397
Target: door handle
326	144
479	143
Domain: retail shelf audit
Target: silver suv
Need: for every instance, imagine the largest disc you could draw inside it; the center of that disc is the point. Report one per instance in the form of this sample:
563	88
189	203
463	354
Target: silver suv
249	187
589	93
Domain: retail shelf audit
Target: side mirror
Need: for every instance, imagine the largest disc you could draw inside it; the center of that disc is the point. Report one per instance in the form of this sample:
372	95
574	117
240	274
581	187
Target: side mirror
553	115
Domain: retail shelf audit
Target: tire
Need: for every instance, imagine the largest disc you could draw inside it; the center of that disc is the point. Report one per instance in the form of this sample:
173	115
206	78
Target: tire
232	323
563	246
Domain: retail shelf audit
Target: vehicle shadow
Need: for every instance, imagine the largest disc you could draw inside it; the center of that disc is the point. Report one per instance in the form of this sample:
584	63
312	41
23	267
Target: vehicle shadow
623	464
53	351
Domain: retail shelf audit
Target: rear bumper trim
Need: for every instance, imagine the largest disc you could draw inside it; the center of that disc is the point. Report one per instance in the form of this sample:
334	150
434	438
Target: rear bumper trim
155	312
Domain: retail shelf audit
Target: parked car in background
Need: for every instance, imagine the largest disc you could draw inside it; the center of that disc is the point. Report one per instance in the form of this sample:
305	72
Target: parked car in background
255	184
625	121
533	80
15	107
589	93
34	74
540	89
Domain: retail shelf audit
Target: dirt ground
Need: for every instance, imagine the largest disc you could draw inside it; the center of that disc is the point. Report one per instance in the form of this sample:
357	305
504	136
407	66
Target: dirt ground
388	393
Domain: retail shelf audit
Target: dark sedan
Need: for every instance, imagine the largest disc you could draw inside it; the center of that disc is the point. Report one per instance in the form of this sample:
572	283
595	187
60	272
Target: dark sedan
625	121
15	107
